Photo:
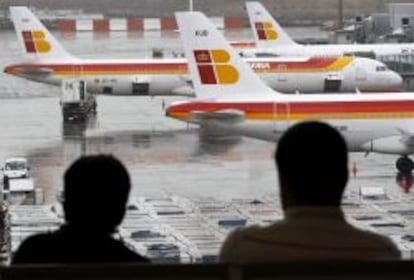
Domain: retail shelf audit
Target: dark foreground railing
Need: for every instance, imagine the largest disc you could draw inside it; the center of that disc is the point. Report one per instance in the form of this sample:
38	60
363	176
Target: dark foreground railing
281	270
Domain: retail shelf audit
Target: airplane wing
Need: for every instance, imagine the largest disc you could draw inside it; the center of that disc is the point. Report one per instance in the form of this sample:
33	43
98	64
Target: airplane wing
223	116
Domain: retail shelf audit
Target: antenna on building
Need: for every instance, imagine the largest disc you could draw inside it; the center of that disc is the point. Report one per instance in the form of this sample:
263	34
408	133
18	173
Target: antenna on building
190	8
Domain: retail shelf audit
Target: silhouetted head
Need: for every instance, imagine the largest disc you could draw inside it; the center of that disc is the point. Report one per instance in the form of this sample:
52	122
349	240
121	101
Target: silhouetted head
312	161
96	189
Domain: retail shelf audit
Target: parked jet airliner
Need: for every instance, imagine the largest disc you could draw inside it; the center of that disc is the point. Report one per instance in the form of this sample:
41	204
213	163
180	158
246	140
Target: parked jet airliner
271	39
230	97
48	62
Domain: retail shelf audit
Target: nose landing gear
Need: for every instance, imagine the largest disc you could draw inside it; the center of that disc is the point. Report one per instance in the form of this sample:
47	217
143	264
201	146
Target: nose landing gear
404	164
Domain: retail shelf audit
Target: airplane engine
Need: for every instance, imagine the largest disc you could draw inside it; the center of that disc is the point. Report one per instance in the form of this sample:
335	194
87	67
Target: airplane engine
389	145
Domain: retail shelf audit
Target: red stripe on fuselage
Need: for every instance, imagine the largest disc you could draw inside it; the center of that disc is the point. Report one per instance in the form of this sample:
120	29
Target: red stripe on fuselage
300	107
313	63
110	67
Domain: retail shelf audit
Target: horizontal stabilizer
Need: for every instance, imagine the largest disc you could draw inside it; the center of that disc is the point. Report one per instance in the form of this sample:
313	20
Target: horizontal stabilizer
184	91
35	71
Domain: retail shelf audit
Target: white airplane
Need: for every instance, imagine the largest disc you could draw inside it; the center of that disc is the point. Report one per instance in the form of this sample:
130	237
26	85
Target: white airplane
230	97
46	61
271	39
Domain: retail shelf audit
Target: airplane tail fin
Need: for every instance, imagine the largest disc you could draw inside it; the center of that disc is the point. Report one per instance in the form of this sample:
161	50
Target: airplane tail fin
216	69
37	43
267	32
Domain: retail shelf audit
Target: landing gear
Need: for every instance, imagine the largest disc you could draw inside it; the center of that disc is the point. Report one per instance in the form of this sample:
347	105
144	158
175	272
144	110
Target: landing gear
404	164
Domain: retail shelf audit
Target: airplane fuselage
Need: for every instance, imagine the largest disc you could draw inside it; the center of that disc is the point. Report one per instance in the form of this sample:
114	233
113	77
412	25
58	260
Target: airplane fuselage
114	77
365	50
170	77
373	123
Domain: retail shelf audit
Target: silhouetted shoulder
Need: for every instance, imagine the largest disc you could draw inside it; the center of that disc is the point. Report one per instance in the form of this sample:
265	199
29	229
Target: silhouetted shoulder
59	247
33	247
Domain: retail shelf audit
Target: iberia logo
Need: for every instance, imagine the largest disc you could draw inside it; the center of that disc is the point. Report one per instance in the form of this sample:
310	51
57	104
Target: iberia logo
214	67
35	41
265	30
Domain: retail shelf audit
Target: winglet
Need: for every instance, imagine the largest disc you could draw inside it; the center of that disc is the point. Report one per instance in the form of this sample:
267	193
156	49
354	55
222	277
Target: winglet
217	70
37	43
267	32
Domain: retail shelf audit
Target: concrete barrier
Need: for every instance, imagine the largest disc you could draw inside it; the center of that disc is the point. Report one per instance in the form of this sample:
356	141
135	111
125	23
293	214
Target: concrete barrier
138	24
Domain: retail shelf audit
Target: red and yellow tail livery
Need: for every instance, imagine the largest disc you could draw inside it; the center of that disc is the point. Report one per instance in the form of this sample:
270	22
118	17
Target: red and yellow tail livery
214	68
265	31
35	41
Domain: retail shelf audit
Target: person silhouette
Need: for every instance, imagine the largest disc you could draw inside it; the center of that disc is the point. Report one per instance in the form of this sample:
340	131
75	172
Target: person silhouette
312	163
96	189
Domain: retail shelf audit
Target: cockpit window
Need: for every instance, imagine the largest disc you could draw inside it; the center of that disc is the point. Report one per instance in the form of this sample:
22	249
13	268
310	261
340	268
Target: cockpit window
381	68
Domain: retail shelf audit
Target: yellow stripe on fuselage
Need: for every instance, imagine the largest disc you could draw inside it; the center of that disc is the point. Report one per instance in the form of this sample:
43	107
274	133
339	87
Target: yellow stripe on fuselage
340	63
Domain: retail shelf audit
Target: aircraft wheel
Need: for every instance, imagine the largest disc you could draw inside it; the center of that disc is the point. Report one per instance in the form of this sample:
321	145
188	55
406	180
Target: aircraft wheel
405	164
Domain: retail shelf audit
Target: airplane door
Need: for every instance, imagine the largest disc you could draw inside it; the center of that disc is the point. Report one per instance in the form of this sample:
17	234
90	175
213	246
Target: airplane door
141	86
361	74
332	83
282	71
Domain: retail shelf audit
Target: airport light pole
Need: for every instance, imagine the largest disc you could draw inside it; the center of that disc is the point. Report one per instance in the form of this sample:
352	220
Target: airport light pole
340	14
